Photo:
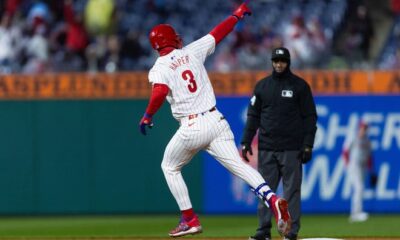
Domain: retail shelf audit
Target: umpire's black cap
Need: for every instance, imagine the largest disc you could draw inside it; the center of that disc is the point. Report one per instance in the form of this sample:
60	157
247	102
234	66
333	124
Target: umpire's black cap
280	53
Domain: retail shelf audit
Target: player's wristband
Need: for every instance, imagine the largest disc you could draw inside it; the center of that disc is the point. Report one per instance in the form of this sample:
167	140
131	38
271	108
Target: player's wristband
147	115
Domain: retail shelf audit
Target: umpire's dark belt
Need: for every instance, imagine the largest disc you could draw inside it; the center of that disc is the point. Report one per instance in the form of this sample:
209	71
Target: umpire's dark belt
192	116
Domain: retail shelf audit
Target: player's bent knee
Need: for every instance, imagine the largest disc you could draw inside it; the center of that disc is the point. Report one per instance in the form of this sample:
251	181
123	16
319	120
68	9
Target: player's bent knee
168	169
164	166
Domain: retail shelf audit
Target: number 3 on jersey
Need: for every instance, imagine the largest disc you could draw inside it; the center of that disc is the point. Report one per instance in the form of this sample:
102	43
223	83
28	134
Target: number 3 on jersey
188	75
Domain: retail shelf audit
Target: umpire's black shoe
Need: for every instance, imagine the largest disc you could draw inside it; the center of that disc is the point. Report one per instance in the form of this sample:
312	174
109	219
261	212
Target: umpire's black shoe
259	238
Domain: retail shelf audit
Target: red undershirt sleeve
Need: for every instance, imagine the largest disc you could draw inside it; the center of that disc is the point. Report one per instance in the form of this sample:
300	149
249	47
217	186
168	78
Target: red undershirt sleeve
158	95
224	28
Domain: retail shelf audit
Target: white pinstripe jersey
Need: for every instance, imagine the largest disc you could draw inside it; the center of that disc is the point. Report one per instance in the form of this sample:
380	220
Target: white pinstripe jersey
360	150
183	71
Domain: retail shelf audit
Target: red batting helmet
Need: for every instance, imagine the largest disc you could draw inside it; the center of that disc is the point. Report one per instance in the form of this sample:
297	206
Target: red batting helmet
164	35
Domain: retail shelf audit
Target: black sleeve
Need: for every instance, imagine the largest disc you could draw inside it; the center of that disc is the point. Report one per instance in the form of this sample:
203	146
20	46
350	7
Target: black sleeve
253	118
309	115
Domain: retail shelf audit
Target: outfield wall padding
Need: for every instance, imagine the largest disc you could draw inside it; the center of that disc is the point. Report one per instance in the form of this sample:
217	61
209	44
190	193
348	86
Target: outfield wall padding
67	157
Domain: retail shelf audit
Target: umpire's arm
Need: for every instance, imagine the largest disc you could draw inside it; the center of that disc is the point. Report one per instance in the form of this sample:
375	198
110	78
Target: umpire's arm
253	119
309	115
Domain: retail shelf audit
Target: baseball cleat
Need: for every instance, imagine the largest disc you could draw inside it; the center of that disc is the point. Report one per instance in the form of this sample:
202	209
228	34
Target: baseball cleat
185	228
283	221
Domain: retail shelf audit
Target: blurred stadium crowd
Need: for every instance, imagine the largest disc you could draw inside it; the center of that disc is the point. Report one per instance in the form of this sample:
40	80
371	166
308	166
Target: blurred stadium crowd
111	35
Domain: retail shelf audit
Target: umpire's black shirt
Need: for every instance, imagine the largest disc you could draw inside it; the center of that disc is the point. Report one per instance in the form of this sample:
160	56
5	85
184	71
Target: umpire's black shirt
283	109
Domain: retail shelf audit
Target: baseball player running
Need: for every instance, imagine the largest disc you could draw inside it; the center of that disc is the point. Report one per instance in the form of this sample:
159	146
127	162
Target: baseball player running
357	154
179	76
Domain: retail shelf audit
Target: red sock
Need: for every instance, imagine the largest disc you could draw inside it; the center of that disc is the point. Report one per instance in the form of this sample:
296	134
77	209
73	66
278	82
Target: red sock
188	214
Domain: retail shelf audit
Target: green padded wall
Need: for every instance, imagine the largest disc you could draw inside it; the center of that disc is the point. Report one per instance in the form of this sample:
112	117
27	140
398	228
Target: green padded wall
74	157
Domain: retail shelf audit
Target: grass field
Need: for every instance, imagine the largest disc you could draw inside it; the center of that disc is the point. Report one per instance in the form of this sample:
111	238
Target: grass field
156	227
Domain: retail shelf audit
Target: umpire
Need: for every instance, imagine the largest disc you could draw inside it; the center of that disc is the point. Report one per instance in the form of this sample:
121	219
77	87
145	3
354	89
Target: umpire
283	110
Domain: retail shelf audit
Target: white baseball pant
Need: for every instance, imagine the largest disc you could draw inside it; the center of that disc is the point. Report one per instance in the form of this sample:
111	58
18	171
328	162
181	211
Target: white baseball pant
356	174
211	132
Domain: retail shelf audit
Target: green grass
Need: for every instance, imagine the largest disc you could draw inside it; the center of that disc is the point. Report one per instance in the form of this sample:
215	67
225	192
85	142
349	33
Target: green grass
214	226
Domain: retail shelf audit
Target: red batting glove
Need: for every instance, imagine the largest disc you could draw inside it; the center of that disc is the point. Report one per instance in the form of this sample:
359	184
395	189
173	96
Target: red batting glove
146	121
242	11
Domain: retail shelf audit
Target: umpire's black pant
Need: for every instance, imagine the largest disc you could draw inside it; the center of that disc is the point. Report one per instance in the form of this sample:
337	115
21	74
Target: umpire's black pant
274	166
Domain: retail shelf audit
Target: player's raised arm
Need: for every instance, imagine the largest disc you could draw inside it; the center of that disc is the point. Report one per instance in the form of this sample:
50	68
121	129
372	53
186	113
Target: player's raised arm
226	26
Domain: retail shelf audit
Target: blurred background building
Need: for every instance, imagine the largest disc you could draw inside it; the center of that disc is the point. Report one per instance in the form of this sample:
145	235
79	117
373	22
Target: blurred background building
111	35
